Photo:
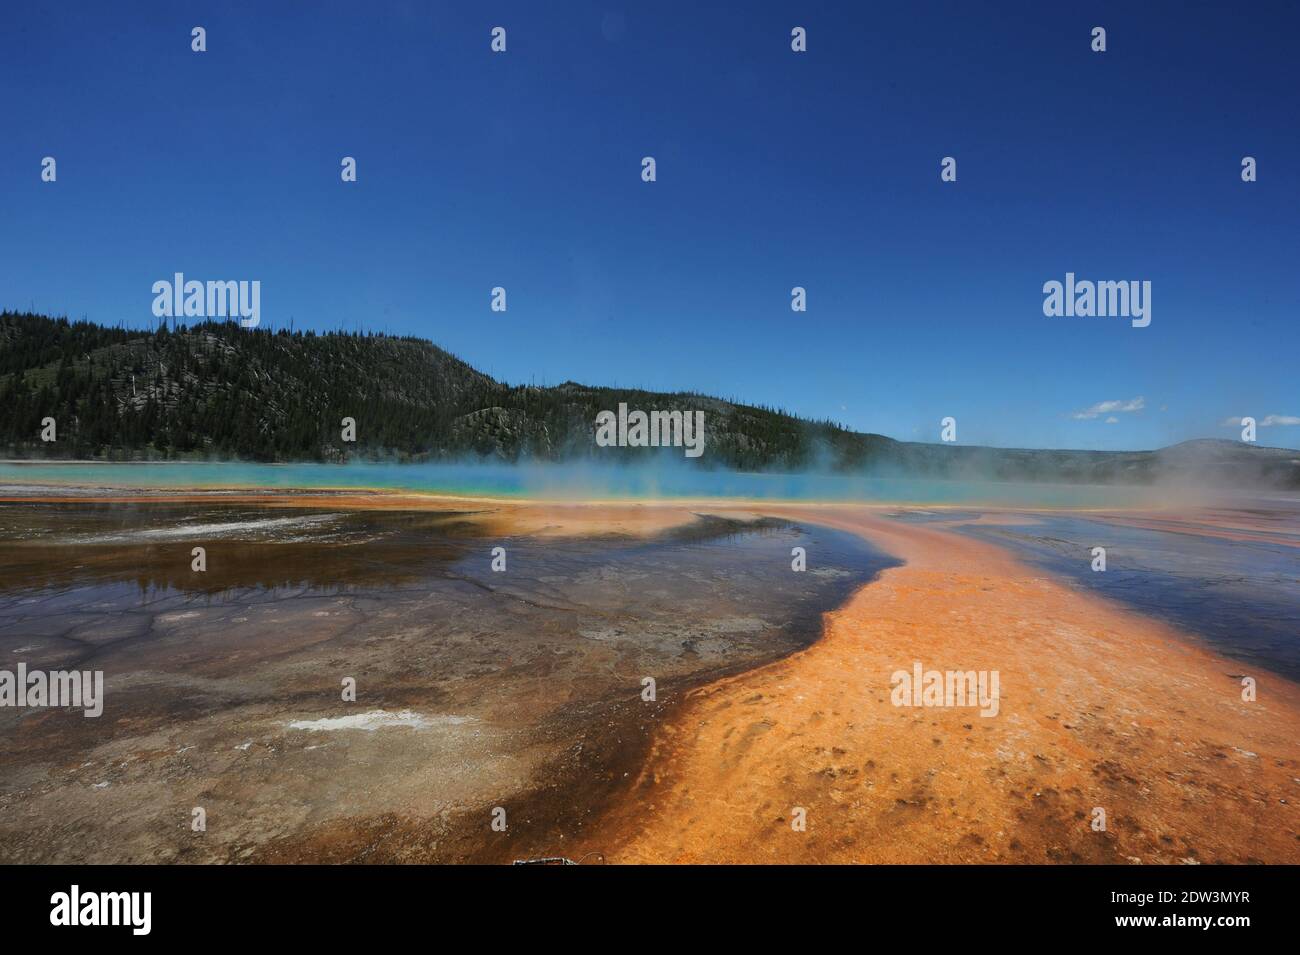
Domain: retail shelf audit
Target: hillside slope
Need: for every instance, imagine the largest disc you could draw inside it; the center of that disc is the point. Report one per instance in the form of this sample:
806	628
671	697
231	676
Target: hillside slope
217	390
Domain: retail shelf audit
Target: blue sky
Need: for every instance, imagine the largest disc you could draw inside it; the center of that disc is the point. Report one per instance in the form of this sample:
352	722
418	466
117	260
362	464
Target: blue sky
775	169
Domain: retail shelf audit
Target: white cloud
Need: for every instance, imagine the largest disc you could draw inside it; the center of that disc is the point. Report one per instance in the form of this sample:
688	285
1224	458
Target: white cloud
1110	408
1265	422
1112	420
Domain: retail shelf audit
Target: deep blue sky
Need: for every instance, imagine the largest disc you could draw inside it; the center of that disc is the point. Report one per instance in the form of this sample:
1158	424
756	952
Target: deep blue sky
774	170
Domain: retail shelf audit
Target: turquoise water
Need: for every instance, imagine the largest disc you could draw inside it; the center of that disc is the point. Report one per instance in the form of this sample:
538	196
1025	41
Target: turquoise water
563	482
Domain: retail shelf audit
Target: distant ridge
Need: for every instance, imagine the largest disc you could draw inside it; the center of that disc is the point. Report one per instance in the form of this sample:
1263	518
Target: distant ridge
215	390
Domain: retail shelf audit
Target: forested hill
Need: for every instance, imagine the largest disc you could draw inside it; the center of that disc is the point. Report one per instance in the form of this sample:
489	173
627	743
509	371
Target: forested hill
218	390
215	390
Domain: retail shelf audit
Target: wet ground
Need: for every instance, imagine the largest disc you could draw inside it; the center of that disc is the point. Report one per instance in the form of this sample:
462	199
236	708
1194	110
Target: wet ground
1241	595
475	689
1119	738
